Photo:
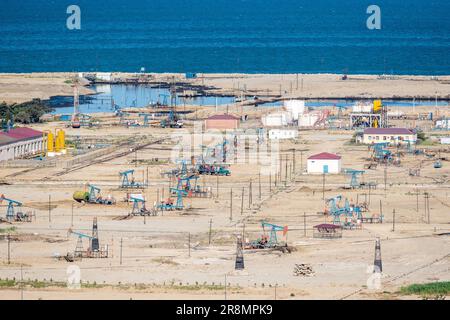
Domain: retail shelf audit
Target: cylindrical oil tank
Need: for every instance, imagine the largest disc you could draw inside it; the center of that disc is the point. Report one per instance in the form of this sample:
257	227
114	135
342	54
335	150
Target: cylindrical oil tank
57	142
81	196
62	137
50	142
377	106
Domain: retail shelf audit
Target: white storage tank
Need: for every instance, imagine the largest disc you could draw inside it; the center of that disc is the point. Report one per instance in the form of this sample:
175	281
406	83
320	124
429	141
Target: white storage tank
276	119
295	107
308	119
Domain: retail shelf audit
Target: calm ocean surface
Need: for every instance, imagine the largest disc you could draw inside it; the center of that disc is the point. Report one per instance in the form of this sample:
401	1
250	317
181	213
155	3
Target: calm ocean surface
251	36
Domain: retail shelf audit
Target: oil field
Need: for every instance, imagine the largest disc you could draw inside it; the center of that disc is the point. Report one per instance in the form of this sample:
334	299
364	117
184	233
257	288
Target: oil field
192	186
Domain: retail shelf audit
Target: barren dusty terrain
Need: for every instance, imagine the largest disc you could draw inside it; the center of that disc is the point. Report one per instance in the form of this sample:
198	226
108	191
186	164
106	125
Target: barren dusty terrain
169	256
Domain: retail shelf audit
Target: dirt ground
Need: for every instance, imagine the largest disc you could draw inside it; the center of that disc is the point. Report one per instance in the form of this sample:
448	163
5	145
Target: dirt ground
175	256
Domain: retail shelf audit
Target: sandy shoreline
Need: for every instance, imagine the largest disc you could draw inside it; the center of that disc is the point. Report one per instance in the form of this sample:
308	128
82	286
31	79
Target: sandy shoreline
17	88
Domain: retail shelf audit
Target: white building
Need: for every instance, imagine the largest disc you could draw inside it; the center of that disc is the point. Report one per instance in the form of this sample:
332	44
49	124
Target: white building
105	76
324	163
21	142
445	140
390	135
279	134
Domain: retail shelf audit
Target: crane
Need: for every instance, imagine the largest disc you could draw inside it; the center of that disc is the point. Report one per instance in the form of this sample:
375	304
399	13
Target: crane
10	212
128	182
354	177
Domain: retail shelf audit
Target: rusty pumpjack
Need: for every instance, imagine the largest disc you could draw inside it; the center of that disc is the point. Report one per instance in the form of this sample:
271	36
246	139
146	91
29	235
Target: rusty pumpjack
169	205
193	190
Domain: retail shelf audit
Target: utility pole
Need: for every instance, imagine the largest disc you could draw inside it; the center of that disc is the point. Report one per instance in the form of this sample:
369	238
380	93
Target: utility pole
323	187
242	201
210	230
121	246
385	180
285	170
217	187
293	161
189	244
71	221
49	208
9	248
259	182
21	281
393	220
417	199
250	195
231	204
225	286
304	224
381	210
270	182
427	207
301	162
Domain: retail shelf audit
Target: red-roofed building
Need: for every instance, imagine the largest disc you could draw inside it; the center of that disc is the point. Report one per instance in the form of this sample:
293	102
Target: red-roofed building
391	135
324	163
222	122
20	142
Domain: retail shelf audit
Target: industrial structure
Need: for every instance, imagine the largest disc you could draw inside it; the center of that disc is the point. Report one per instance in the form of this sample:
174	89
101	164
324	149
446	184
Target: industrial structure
369	115
21	143
324	163
94	250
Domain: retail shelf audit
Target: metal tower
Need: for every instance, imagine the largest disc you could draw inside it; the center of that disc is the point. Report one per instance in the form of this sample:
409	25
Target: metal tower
239	265
95	246
378	267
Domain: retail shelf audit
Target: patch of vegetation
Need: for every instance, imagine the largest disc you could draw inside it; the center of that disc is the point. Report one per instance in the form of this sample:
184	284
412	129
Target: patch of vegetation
423	140
6	283
427	289
27	112
150	161
7	230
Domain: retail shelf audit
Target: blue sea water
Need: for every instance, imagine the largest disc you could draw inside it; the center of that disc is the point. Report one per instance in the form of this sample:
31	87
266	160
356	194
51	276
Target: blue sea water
251	36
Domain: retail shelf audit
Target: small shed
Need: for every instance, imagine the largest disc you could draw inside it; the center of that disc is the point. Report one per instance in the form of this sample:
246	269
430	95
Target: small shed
324	162
222	122
327	231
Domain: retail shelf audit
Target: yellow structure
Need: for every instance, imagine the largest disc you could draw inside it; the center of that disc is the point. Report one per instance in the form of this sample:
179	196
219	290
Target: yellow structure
56	142
377	106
